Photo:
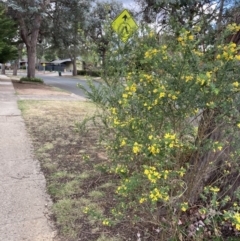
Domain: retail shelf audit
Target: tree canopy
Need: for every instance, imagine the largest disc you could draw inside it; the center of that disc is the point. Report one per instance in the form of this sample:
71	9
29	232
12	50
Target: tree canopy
8	30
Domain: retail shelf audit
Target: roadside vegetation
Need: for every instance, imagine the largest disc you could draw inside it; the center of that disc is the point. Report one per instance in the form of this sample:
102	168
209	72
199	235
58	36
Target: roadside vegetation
32	79
172	132
158	158
155	155
69	152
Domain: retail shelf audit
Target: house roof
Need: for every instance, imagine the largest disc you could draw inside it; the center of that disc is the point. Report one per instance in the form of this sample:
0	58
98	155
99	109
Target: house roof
60	61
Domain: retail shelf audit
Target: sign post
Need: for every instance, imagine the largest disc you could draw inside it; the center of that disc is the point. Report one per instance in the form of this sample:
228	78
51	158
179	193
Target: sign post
124	25
44	67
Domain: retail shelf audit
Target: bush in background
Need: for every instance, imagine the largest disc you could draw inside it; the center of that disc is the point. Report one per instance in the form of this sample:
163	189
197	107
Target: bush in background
92	73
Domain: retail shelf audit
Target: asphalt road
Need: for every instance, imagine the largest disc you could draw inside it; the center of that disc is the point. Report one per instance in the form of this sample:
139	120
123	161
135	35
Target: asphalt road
65	83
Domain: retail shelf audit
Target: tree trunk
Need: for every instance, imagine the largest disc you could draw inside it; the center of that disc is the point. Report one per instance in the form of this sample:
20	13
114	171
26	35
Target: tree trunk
31	53
74	66
3	68
206	165
200	161
15	67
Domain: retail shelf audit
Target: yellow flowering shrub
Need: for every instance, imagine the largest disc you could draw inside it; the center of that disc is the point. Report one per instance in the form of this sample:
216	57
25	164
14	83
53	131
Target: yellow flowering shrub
164	154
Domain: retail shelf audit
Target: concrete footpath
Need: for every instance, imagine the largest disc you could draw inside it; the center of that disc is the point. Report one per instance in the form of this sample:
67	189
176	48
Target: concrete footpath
23	199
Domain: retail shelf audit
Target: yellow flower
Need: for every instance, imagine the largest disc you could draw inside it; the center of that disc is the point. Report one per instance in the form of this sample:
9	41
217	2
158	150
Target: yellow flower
219	148
142	200
86	210
125	95
155	195
210	104
105	222
182	172
164	47
116	122
236	218
237	57
150	137
238	125
171	145
197	28
188	78
114	111
233	27
123	143
202	211
133	88
152	174
209	74
214	189
153	149
180	39
165	174
162	94
170	136
190	37
235	84
184	206
136	148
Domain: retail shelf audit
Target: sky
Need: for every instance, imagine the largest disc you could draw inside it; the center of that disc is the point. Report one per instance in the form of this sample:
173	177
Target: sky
128	3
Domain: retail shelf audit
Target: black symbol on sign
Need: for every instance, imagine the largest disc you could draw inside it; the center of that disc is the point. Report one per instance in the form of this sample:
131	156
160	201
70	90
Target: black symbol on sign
125	17
124	26
124	29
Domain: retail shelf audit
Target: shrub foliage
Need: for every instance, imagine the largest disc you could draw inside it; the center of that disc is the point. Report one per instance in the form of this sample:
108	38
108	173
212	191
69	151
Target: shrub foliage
32	79
171	112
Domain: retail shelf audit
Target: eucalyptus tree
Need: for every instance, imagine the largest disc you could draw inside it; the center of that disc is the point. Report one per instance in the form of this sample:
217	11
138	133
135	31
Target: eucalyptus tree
28	14
69	20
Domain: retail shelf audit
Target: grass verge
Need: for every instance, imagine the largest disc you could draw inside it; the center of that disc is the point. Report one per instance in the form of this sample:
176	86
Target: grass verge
68	156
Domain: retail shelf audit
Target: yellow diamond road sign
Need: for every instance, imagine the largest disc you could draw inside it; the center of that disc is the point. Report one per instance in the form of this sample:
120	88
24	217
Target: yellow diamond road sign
124	25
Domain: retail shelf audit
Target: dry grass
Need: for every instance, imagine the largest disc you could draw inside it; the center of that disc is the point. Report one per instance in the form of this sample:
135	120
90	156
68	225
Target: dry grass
68	157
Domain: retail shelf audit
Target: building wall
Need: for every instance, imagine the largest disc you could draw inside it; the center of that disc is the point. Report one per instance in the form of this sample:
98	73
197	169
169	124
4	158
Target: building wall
69	66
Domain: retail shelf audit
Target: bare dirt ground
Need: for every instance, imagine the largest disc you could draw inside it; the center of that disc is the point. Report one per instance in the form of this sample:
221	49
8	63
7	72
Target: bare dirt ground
37	89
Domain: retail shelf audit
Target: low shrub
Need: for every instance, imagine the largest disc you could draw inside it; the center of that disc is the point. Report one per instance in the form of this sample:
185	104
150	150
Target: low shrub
92	73
81	72
27	79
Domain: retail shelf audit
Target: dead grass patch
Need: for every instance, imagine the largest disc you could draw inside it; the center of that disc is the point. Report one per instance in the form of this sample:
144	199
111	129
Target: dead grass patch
37	89
68	159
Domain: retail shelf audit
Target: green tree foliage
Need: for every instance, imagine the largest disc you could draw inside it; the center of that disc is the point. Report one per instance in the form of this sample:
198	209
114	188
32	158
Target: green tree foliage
98	30
212	15
28	14
8	31
69	20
